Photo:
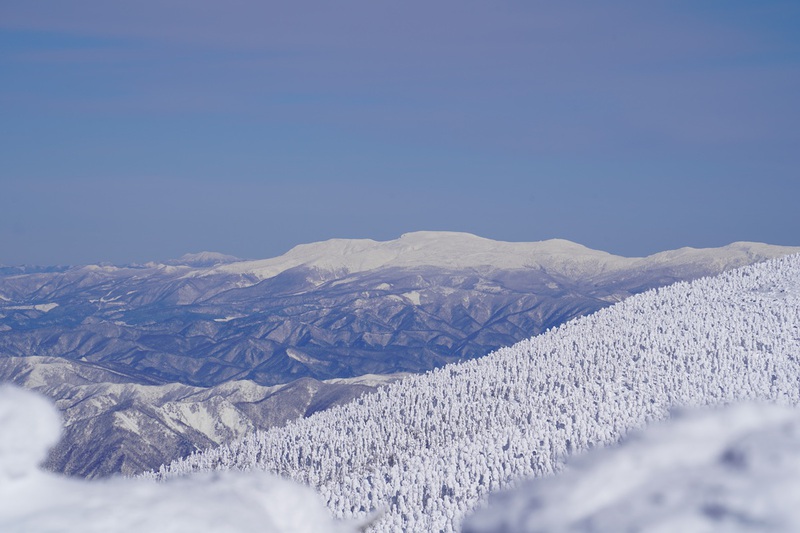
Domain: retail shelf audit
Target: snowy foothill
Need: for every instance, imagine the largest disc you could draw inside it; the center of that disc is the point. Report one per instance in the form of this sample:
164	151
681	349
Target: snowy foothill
735	470
34	501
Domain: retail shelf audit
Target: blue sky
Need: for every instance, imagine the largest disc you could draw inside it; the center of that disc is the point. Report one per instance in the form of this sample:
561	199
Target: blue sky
149	129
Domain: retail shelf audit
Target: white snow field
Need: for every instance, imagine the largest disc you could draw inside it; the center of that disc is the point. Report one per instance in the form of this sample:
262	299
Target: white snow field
33	501
428	450
734	470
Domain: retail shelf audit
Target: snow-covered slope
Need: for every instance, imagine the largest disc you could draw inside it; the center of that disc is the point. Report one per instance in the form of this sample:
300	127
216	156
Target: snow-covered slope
736	470
32	501
428	449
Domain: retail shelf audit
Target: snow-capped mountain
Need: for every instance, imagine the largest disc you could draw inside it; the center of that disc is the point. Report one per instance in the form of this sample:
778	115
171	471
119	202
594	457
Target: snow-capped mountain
436	249
429	449
203	259
111	344
454	251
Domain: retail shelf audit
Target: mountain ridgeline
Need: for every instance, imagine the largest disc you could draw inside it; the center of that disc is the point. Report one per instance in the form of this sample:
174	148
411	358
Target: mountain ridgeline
336	309
428	449
150	362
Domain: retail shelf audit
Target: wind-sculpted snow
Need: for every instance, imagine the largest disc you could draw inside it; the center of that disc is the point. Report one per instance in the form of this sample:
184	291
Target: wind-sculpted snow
428	449
733	470
32	501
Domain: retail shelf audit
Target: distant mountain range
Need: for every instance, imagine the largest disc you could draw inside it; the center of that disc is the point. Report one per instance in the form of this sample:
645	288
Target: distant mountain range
339	308
118	344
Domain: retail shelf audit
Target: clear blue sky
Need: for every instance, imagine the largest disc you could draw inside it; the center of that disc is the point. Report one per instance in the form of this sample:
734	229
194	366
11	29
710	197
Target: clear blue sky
143	130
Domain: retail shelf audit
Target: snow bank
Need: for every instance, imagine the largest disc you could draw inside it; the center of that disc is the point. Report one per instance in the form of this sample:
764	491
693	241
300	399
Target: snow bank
29	427
737	469
33	501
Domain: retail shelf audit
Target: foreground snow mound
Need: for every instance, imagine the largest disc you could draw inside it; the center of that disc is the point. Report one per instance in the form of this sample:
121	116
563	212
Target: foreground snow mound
29	427
732	470
33	501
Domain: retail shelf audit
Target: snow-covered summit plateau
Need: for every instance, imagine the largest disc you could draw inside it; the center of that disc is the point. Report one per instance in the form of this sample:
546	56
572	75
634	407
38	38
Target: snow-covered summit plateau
463	251
429	449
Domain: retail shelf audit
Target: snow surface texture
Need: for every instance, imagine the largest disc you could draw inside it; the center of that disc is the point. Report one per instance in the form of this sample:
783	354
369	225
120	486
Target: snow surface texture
737	469
430	448
33	501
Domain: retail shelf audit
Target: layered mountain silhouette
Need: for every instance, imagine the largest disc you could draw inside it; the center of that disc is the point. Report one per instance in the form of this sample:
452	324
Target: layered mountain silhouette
129	351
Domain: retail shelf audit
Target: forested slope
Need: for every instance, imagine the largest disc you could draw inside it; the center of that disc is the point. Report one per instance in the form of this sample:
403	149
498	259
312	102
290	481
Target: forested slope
428	449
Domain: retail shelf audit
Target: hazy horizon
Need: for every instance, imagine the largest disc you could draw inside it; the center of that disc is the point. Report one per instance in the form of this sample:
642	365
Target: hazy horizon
143	132
280	253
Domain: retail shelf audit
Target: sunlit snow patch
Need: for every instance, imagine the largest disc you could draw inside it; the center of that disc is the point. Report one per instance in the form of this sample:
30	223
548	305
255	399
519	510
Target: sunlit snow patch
736	469
33	501
45	308
226	319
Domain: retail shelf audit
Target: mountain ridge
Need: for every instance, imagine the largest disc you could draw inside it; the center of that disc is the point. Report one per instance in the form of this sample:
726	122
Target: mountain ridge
439	249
